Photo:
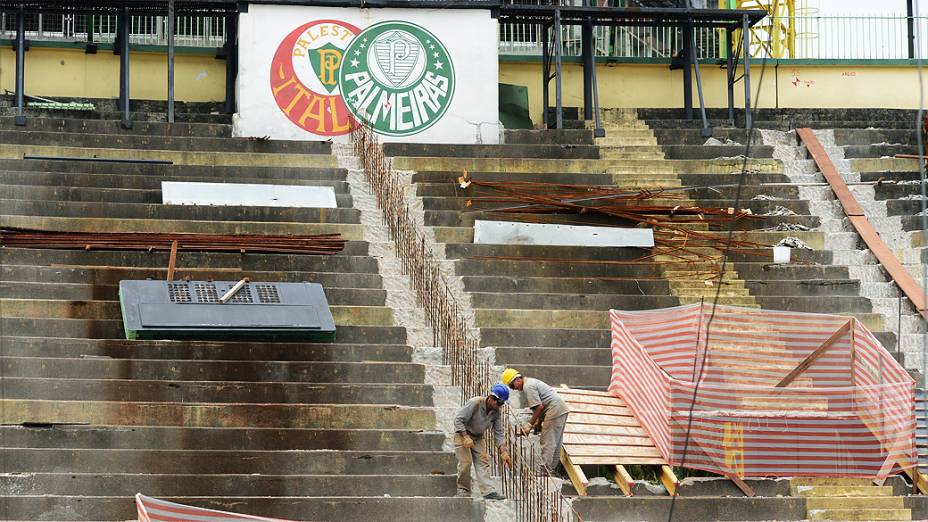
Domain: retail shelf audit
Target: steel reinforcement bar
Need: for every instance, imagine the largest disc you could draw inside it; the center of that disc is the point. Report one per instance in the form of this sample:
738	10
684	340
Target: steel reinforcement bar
527	482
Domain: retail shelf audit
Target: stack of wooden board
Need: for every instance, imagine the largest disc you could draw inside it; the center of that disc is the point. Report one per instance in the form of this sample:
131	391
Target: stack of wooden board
602	430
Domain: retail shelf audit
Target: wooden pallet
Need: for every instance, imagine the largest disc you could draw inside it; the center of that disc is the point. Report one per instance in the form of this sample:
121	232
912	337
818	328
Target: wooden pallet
602	430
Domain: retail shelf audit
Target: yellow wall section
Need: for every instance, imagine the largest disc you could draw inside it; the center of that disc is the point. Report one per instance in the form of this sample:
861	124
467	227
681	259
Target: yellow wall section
67	72
73	73
786	86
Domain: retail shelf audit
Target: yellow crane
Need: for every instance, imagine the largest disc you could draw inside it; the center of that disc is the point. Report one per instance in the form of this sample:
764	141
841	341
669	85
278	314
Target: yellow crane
774	35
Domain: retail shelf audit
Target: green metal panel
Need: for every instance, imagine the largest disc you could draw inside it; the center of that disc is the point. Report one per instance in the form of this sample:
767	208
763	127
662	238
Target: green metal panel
513	106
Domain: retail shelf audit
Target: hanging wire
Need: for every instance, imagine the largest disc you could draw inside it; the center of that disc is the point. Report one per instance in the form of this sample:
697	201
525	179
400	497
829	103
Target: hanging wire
722	271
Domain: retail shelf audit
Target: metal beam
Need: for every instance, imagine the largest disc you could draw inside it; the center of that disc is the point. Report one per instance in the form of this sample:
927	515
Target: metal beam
746	36
123	34
706	130
231	52
910	27
171	61
589	62
558	95
546	75
731	75
686	53
20	118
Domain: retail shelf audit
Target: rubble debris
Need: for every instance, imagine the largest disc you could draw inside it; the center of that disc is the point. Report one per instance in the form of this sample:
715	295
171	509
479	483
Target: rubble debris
714	142
765	197
789	227
780	211
793	242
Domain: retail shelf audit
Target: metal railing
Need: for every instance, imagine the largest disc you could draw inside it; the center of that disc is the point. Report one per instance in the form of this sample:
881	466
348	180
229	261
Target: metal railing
816	37
190	31
538	500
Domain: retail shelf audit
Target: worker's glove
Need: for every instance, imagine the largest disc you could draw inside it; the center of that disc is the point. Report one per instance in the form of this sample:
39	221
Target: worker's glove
466	441
506	458
538	428
526	428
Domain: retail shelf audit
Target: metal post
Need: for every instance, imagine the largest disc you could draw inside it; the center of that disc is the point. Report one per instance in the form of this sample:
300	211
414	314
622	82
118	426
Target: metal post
231	51
20	118
746	44
589	62
558	95
123	32
910	24
706	130
687	53
546	74
170	61
731	75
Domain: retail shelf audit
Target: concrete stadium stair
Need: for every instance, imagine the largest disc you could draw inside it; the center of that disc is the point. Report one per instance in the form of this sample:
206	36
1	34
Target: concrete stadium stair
308	431
544	309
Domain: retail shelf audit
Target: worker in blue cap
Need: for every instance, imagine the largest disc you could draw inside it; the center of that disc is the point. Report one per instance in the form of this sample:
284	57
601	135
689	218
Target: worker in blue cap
470	424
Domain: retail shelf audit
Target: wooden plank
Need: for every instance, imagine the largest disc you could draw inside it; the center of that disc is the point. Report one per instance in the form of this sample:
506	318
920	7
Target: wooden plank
172	261
624	480
595	418
600	409
831	174
582	450
611	461
742	485
812	357
607	440
592	399
669	479
605	429
858	219
576	475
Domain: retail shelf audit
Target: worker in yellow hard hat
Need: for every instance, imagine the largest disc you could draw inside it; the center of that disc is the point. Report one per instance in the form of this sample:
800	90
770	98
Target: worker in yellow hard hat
549	413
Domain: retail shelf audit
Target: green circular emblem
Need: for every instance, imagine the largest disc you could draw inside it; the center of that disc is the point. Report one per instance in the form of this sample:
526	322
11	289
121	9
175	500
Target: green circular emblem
397	77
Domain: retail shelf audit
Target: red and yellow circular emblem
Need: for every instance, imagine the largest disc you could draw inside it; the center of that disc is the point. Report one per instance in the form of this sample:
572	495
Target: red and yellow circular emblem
304	76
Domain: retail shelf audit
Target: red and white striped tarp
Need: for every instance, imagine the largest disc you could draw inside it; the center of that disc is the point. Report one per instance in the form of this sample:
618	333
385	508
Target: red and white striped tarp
156	510
704	385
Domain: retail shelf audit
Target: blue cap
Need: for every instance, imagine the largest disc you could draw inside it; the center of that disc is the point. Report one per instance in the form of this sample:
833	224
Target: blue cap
500	392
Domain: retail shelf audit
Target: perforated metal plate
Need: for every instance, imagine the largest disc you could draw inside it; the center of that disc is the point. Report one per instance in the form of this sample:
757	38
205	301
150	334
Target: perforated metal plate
192	310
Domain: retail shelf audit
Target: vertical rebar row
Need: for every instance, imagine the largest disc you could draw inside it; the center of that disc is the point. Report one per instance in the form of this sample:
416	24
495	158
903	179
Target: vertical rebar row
536	501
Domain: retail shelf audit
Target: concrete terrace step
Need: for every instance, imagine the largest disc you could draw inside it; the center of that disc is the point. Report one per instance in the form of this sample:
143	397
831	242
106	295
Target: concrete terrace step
144	128
105	276
546	137
860	514
841	491
156	142
102	309
68	508
203	350
118	195
580	165
492	151
273	415
281	172
225	461
113	329
130	260
291	484
609	509
349	231
137	389
182	157
155	211
192	439
315	372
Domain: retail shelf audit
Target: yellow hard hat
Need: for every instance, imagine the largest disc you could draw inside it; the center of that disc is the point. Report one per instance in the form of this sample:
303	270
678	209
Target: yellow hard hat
508	375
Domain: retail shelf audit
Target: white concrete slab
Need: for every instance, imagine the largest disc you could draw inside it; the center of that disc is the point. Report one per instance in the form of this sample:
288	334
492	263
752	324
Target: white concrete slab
246	195
511	233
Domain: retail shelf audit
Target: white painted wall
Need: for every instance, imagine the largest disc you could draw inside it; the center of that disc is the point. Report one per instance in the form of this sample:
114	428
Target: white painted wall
470	36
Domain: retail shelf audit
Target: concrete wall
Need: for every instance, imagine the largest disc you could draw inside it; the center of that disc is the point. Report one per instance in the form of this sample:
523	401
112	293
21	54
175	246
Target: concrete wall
784	86
73	73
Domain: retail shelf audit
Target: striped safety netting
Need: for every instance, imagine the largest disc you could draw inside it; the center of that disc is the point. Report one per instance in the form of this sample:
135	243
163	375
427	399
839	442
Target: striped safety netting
765	393
152	509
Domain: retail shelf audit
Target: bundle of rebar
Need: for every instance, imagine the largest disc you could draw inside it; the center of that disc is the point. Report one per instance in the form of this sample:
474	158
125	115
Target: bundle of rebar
537	202
323	244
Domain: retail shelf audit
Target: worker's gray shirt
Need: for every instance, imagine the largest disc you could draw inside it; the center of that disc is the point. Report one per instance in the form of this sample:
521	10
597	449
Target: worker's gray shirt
476	419
537	392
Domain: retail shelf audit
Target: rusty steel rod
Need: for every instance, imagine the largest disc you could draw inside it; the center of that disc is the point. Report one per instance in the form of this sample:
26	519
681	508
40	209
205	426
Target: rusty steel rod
469	369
